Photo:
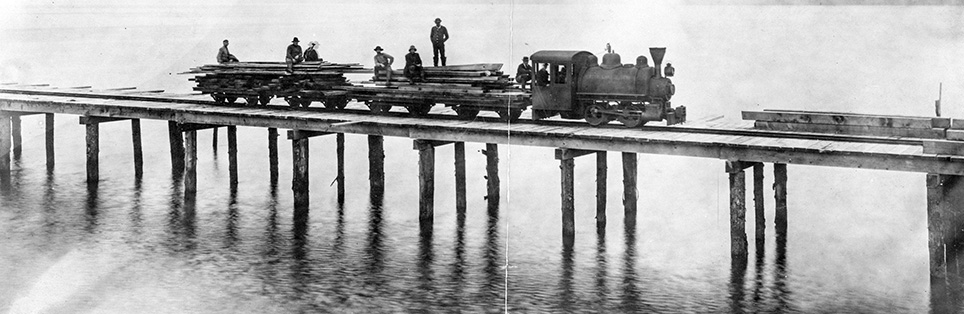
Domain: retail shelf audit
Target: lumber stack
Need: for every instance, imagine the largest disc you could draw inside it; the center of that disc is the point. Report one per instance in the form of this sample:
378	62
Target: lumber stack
271	78
484	75
939	135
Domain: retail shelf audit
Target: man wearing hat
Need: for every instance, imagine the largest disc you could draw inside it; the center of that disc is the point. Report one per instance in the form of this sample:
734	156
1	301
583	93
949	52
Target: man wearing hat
413	66
383	62
439	36
293	56
311	54
225	56
524	73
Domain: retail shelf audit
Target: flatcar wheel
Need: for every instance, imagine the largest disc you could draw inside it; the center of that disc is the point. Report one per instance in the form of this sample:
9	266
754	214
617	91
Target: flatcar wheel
305	102
418	110
252	100
265	99
293	101
379	108
336	102
218	98
635	119
510	115
466	113
230	99
595	116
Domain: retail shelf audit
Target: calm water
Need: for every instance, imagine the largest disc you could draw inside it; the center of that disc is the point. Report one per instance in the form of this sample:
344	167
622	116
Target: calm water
856	243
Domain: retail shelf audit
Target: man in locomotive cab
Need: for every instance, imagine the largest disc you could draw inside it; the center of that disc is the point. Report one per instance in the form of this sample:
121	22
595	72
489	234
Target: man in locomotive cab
542	77
293	55
561	75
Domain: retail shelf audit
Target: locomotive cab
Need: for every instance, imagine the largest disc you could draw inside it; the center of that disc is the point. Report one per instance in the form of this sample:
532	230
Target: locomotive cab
555	81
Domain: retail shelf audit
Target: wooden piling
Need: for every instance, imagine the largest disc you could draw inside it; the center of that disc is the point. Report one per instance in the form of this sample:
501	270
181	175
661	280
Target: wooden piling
177	147
49	137
629	188
738	242
492	175
601	177
233	154
460	200
945	222
376	163
17	136
190	164
138	150
759	218
214	139
93	152
780	195
426	184
567	165
340	159
5	146
299	178
273	155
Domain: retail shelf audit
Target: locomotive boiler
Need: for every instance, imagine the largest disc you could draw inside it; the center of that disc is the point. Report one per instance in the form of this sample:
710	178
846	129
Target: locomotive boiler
574	85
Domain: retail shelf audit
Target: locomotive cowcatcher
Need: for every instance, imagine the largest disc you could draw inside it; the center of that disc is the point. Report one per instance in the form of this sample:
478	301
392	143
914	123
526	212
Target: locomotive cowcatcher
573	85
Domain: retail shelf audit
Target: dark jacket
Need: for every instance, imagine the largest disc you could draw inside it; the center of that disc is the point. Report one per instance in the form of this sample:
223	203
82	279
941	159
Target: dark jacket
294	52
225	56
311	55
524	69
412	58
439	35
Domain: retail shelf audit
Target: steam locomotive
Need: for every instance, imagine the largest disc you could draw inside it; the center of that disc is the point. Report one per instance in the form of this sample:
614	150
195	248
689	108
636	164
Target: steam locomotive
573	85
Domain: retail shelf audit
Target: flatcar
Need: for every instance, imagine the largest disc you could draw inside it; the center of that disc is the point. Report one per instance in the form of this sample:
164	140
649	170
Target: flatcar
573	85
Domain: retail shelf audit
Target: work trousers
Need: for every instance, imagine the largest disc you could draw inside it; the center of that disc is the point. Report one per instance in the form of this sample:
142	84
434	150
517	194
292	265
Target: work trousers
438	49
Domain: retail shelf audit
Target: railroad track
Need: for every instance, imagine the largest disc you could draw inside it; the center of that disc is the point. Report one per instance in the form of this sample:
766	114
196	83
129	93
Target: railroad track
676	128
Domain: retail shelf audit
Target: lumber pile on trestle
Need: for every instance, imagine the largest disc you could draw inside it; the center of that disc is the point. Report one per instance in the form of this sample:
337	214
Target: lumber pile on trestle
270	78
484	75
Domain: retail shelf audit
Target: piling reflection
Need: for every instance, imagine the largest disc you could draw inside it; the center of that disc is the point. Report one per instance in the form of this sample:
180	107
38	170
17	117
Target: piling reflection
738	265
426	258
181	219
375	250
602	267
136	215
759	261
90	209
231	227
566	294
300	269
630	295
457	278
780	289
494	277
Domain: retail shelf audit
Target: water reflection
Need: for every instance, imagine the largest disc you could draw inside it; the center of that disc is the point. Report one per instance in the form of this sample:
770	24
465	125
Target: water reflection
231	228
136	215
300	270
779	300
602	267
947	283
90	208
494	278
181	219
375	250
457	277
566	294
630	294
426	257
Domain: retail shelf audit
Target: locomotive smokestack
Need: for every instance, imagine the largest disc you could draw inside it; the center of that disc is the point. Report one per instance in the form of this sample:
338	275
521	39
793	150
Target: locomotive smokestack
657	54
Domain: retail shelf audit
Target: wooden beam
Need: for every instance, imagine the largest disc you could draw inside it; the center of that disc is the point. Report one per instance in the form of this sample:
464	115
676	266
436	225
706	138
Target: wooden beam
302	134
492	177
376	165
629	189
460	197
191	127
601	177
760	215
138	151
96	120
945	225
738	243
93	152
851	119
733	166
568	153
49	139
852	129
426	183
419	144
939	147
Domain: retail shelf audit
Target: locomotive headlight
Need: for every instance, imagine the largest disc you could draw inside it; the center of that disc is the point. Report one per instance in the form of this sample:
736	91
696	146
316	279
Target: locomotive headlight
669	70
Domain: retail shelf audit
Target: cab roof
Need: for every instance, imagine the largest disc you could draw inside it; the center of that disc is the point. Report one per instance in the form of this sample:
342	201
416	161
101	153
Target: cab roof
557	56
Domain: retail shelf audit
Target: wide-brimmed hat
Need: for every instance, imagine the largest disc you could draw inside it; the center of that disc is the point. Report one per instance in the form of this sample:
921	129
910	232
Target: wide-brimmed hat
313	43
378	48
412	48
438	19
295	40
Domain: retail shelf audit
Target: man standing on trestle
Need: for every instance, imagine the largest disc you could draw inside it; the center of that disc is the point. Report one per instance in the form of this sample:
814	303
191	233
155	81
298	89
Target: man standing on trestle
439	36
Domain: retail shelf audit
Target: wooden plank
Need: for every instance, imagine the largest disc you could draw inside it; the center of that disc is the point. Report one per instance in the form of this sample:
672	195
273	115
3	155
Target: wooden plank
839	119
944	147
931	133
956	135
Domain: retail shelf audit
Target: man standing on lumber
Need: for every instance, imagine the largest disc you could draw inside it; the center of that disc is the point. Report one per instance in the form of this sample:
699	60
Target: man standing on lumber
293	56
311	54
383	62
413	66
225	56
524	73
439	36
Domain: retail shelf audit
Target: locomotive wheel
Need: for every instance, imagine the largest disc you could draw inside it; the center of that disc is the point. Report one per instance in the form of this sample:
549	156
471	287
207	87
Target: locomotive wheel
265	99
337	102
510	115
595	116
634	120
466	113
379	108
252	100
230	99
418	110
